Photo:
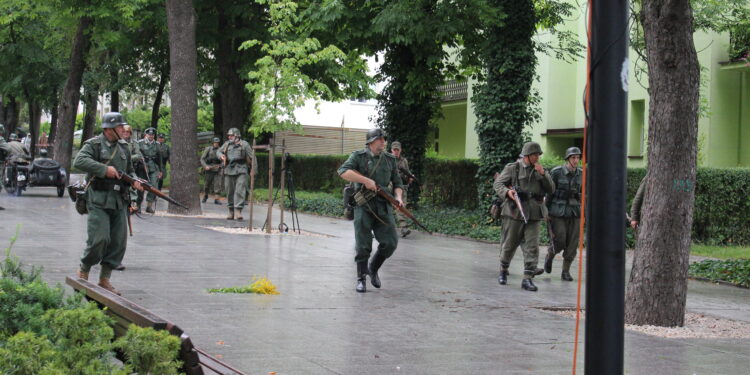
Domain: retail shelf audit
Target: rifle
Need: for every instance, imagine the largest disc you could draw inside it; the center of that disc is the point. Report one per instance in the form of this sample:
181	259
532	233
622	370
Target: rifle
551	234
518	204
383	193
408	174
147	187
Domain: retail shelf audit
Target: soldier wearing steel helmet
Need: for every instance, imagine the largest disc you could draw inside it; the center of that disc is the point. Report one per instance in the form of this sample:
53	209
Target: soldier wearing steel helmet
373	215
153	162
527	181
564	210
211	167
238	157
102	157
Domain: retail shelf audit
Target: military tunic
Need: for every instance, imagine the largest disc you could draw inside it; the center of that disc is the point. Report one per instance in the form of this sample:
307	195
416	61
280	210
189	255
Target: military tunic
367	218
564	209
152	157
531	188
210	159
236	171
106	203
164	152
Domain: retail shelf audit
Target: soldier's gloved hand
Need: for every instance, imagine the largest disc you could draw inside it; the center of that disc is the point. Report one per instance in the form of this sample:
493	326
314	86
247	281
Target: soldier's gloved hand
370	184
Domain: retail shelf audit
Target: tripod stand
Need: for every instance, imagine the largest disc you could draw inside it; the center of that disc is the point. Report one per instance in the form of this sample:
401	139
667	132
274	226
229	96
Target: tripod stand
288	174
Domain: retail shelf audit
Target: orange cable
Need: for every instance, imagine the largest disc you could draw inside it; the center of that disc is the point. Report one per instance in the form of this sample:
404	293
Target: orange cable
583	186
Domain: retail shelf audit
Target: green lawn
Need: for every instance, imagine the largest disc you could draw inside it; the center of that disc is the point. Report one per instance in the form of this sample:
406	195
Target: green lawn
721	252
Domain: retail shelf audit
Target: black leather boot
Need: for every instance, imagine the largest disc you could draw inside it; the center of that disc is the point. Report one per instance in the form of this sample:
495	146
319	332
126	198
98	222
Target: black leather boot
375	263
566	276
548	262
361	277
527	284
503	278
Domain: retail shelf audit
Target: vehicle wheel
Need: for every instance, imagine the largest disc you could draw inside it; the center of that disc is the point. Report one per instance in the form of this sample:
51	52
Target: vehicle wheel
60	191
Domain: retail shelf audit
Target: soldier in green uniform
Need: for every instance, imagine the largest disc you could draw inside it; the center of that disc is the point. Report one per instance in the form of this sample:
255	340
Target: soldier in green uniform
368	169
152	160
526	180
101	158
403	169
164	151
211	165
237	156
135	158
564	210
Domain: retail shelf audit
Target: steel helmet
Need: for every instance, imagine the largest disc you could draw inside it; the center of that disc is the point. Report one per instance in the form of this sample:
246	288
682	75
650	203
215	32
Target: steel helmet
111	120
530	148
216	140
233	131
572	151
374	134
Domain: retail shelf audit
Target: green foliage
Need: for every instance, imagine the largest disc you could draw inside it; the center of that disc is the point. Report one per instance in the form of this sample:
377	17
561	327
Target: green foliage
22	305
26	353
731	16
502	101
280	82
734	271
149	351
310	172
721	252
722	206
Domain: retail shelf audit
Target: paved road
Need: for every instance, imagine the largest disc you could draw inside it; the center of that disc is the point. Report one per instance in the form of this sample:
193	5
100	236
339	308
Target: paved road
440	310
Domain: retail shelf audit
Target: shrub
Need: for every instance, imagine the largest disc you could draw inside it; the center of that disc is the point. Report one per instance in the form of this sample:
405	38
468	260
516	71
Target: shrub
26	353
735	271
149	351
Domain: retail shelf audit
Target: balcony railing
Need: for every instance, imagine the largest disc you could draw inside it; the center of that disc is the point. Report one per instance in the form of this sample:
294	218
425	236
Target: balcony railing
453	91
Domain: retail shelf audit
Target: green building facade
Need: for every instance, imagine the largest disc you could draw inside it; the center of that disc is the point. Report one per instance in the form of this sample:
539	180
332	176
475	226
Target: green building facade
724	126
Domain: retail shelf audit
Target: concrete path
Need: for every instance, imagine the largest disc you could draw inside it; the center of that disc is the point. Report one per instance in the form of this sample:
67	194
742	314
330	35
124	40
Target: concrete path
440	310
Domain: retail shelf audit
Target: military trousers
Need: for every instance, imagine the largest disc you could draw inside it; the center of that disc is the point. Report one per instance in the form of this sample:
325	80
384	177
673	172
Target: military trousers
107	239
236	189
153	180
366	225
566	230
211	182
402	222
516	233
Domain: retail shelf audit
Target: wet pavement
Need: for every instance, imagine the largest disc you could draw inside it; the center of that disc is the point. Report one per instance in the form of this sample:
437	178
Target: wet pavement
440	310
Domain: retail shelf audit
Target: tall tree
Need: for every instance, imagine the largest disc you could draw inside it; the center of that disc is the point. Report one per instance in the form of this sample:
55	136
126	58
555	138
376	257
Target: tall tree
71	94
183	75
656	293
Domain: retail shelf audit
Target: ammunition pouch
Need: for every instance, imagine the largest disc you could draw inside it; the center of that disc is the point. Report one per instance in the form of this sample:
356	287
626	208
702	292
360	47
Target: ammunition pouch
363	196
77	193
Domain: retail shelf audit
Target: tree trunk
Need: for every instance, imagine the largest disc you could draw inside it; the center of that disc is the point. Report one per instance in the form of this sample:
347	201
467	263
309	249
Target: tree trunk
35	117
90	107
71	94
11	115
218	120
657	290
114	101
53	124
2	111
231	85
184	77
157	100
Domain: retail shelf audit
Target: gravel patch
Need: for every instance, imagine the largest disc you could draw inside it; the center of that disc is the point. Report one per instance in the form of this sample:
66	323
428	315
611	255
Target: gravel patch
697	326
259	232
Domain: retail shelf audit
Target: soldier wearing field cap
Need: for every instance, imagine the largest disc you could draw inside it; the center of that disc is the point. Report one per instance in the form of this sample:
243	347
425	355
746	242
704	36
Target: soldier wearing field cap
524	180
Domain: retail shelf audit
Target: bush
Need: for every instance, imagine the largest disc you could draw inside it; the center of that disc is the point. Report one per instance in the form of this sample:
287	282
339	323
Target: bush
734	271
149	351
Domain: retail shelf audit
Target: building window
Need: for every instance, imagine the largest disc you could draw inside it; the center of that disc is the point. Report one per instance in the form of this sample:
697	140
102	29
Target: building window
636	134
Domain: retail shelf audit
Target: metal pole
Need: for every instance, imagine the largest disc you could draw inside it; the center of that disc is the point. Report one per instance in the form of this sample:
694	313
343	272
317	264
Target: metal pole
281	184
271	151
605	268
252	191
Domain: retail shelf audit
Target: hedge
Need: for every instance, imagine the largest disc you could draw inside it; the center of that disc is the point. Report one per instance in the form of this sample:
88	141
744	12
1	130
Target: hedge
722	202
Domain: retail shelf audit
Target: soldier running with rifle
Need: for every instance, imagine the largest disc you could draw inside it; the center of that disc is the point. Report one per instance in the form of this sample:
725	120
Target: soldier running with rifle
522	186
370	169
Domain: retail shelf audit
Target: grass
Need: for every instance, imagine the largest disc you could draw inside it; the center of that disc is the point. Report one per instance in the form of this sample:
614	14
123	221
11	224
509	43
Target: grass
721	252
